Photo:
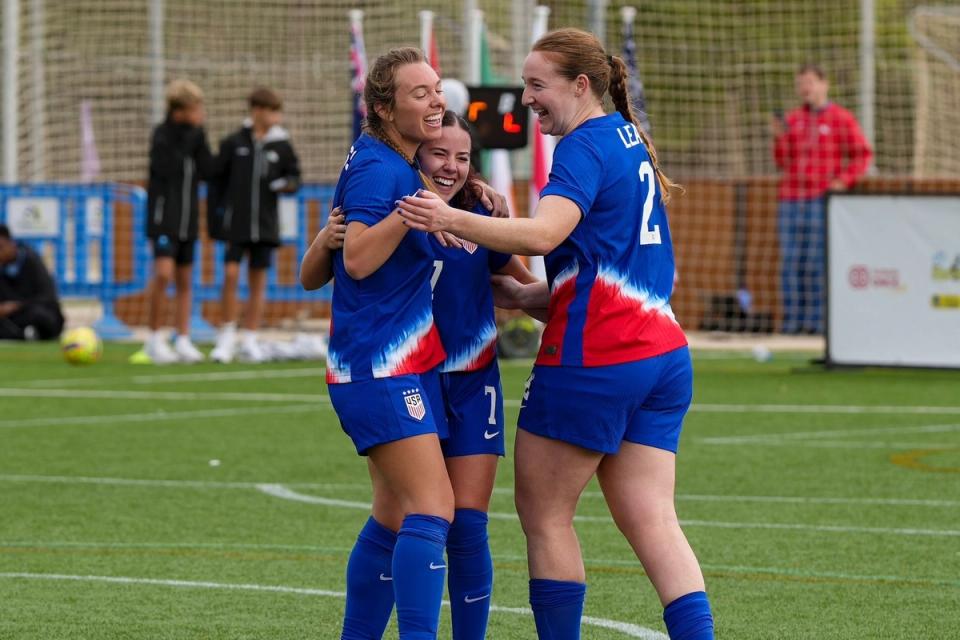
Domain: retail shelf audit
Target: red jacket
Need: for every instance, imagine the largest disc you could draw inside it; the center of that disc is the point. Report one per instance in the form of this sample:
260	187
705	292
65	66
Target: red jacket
817	147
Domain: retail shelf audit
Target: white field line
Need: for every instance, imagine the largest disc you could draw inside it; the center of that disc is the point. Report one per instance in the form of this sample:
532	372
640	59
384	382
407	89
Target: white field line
217	376
105	394
829	444
350	486
837	433
825	408
626	628
600	562
153	416
114	394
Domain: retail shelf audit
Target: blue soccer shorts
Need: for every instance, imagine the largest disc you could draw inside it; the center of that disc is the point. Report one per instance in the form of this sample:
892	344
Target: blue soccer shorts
474	407
384	410
597	408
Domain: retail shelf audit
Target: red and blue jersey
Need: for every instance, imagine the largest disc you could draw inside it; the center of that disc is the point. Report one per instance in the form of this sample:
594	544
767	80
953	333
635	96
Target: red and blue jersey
610	280
463	303
382	325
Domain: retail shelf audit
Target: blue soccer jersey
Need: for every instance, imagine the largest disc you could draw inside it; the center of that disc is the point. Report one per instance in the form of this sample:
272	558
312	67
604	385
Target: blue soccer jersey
463	303
382	325
611	279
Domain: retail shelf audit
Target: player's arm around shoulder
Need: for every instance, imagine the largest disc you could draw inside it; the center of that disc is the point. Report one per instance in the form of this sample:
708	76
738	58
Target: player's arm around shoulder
316	268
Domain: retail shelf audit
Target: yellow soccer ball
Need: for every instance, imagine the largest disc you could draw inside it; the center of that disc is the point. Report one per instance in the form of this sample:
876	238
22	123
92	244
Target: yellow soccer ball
81	346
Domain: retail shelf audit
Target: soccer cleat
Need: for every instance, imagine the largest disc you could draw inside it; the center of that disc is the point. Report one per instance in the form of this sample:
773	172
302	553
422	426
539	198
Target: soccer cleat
160	352
250	351
186	352
225	348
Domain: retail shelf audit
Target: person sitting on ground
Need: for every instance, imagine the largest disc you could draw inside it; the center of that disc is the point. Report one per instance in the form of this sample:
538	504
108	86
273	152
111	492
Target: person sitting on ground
29	309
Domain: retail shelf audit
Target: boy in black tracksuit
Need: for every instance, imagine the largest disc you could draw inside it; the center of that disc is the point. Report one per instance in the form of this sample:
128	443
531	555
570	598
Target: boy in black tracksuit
29	308
256	164
179	158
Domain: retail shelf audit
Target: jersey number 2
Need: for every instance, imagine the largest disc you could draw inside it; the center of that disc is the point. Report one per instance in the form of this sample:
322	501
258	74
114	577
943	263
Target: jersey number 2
649	236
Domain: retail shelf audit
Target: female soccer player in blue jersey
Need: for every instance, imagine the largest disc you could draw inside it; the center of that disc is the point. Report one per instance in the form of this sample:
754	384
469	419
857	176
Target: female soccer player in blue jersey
613	379
383	352
470	378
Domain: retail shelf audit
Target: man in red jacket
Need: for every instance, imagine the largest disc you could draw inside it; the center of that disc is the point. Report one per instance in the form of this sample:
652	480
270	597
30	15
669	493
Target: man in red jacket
819	147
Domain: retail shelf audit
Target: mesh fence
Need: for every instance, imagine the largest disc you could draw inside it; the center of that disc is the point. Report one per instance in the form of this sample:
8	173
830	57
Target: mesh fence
714	71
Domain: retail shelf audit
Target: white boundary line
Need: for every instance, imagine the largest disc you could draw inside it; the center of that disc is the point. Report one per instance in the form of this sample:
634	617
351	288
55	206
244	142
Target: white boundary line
106	394
213	376
617	562
335	486
626	628
152	416
279	491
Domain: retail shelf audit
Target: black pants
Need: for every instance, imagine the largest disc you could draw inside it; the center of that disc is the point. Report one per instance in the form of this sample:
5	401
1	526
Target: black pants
47	321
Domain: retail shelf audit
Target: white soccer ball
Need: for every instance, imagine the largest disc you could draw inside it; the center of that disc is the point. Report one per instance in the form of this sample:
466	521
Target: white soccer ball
761	353
81	346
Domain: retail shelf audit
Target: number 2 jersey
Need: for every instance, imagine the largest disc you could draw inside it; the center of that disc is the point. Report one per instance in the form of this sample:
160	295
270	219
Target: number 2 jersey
611	279
463	303
382	325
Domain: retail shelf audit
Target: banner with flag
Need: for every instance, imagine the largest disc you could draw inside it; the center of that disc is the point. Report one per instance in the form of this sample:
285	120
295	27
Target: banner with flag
358	66
542	159
89	157
635	85
428	43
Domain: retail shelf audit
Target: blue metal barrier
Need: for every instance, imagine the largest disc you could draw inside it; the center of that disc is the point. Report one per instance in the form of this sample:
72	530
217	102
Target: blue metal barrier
74	227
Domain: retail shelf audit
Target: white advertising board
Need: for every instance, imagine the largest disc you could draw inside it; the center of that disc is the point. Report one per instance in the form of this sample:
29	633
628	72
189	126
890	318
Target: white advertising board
893	280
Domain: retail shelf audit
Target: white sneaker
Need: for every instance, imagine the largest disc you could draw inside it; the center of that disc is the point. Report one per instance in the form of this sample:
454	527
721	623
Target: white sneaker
250	351
186	352
225	348
310	347
160	352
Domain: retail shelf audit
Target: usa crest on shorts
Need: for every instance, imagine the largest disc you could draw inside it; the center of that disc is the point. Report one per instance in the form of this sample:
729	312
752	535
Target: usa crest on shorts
414	402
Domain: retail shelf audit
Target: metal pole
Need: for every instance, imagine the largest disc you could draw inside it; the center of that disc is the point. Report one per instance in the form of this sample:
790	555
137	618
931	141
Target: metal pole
38	127
868	70
157	62
11	54
597	19
473	74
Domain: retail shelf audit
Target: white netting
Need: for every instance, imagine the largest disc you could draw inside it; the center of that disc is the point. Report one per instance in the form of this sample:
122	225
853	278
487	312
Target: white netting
714	72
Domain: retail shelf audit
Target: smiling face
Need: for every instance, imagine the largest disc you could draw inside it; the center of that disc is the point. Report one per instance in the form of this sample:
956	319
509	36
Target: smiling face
812	89
417	111
553	98
446	160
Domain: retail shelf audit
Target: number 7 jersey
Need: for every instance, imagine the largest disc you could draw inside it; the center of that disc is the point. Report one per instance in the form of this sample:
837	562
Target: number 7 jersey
611	278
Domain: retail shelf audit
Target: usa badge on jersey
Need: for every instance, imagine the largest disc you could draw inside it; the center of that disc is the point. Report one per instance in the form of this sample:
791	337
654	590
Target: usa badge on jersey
414	402
469	247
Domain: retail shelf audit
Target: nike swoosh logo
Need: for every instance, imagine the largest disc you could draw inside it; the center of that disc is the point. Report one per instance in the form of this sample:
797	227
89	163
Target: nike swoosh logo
490	436
385	578
470	600
523	406
437	566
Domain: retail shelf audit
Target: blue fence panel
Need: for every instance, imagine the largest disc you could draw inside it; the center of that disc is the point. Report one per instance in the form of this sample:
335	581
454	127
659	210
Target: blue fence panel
74	226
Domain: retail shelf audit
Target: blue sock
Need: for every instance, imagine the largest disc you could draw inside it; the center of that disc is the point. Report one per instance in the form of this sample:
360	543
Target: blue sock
557	608
418	575
470	574
689	618
369	583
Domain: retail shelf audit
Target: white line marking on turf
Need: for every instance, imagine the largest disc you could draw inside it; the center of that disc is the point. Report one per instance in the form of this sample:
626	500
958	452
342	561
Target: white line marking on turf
105	394
829	444
338	486
248	374
600	562
116	394
279	491
152	416
823	408
626	628
833	433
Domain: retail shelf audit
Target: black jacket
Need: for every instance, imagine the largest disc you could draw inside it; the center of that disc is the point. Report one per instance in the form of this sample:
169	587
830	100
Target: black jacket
179	158
243	199
27	280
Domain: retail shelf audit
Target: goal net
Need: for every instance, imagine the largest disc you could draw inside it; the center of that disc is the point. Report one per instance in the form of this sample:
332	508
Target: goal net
88	77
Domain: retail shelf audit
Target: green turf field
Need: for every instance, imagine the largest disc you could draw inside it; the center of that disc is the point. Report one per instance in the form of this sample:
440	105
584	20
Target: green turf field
821	504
